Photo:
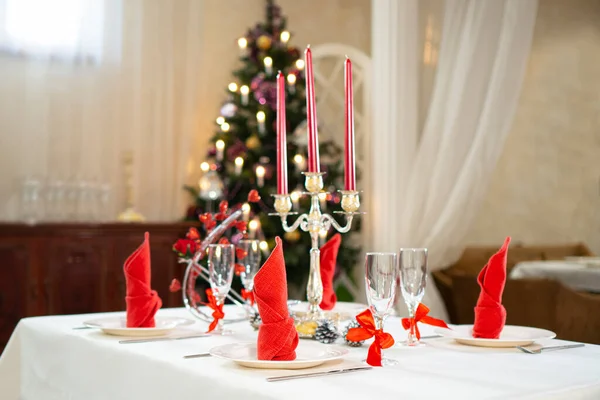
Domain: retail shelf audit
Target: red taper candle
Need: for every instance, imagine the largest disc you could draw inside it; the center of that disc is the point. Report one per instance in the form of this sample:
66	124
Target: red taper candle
282	179
349	159
311	115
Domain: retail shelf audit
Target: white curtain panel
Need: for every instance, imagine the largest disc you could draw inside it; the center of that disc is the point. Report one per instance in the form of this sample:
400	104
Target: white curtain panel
428	184
71	113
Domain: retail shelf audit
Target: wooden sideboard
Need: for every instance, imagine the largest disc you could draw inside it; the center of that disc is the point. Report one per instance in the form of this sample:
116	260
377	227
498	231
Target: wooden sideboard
50	269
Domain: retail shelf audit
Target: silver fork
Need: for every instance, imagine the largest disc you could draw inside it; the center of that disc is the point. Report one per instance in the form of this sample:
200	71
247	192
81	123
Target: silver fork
540	349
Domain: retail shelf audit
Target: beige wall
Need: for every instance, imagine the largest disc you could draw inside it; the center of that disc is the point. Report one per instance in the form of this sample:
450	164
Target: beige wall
310	22
547	185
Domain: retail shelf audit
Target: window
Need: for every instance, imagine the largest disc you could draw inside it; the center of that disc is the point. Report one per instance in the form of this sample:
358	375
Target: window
57	29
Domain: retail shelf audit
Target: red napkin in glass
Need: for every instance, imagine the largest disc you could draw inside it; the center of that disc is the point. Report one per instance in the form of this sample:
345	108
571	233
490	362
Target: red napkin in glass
328	261
490	314
277	335
142	302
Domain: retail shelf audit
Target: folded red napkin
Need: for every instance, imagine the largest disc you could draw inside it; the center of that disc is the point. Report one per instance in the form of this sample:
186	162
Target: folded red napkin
277	335
142	302
490	314
328	261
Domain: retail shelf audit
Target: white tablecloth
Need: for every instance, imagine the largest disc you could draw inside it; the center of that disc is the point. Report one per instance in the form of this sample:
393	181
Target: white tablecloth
576	275
47	359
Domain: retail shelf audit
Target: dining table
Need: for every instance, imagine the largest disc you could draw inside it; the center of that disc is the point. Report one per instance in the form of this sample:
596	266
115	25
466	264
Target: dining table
57	357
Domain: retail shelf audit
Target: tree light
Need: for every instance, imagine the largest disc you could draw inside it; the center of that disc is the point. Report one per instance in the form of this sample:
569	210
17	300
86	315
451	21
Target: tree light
233	87
239	163
268	61
285	36
220	145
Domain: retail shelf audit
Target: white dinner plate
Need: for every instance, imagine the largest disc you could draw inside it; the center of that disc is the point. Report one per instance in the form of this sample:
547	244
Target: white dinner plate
511	336
232	316
308	354
117	326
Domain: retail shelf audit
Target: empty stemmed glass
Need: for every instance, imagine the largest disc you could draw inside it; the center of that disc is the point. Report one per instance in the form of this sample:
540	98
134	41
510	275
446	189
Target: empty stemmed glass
251	263
221	264
413	279
381	271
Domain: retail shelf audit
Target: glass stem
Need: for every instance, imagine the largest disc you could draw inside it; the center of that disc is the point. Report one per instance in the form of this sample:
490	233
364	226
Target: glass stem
412	334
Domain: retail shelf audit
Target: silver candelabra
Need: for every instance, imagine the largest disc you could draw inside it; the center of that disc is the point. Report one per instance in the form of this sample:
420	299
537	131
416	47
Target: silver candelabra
314	222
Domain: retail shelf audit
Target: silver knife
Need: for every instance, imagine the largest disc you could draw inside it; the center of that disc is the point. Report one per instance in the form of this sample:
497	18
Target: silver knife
199	355
313	374
161	339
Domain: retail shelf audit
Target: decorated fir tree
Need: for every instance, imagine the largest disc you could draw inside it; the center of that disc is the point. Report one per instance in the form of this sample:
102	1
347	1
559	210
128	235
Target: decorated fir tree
242	156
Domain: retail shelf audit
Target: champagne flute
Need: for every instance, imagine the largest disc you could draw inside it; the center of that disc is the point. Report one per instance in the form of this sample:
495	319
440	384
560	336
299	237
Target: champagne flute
381	271
251	263
413	279
221	264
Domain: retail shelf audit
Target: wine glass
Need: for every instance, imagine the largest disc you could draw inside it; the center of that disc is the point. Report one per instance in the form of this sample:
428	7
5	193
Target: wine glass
381	271
221	263
251	263
413	279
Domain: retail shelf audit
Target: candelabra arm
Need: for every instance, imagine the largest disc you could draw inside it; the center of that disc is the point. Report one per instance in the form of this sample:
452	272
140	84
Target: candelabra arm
329	220
301	222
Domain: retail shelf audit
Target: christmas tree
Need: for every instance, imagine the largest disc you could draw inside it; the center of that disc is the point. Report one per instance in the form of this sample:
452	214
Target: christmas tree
243	154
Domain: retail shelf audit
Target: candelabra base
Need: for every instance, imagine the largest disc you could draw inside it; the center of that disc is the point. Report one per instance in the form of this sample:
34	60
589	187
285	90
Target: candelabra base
307	323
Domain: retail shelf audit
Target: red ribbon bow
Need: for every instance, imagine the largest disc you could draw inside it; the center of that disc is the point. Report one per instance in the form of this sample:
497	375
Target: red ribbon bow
367	330
218	310
248	295
421	316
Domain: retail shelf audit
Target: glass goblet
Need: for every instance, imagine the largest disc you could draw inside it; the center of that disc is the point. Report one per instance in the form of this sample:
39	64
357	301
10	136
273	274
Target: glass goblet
251	263
221	265
413	279
381	271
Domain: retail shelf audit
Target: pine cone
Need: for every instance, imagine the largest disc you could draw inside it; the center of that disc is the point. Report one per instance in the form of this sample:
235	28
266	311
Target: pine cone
255	320
350	343
326	332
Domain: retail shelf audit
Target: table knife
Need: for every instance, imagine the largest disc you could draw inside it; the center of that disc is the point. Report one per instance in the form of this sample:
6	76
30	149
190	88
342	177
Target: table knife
314	374
161	339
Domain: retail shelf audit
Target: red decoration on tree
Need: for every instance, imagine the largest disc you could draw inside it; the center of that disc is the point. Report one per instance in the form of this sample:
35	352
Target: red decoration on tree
185	246
175	286
217	310
248	295
193	234
239	269
204	218
253	196
220	216
223	205
241	226
223	240
240	253
368	330
421	316
210	225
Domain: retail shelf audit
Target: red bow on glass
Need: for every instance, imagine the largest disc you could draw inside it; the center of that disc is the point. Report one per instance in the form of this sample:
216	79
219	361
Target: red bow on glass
248	295
367	330
217	310
421	316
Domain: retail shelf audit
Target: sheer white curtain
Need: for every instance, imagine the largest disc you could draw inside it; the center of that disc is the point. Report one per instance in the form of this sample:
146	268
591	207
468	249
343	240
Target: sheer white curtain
430	181
71	110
